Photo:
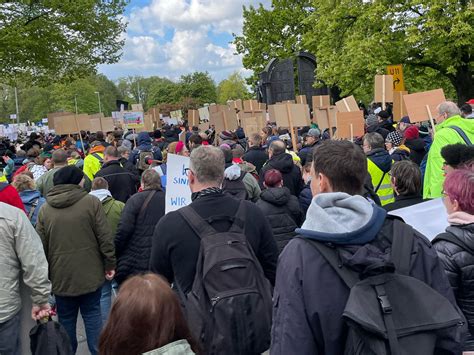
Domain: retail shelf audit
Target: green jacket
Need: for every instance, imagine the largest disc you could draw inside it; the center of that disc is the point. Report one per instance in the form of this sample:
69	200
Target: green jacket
113	210
45	183
434	176
77	240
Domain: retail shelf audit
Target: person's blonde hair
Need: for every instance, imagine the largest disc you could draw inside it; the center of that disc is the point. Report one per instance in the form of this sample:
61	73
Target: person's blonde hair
23	182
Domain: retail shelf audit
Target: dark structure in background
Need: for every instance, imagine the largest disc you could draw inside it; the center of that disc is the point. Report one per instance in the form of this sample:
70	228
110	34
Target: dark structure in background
277	81
119	103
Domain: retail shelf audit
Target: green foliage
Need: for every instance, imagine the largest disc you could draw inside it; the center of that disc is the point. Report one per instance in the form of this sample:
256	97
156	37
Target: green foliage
198	86
232	88
56	39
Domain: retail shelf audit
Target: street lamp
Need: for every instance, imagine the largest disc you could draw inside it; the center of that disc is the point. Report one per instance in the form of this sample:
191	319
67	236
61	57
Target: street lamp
98	96
75	102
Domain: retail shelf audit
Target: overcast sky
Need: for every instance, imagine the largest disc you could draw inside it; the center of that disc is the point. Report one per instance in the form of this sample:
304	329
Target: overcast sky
169	38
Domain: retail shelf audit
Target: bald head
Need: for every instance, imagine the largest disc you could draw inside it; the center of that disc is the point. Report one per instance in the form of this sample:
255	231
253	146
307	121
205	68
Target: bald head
277	148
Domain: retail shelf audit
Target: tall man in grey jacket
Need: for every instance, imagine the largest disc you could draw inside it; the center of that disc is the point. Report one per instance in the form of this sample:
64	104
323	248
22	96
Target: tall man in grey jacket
20	251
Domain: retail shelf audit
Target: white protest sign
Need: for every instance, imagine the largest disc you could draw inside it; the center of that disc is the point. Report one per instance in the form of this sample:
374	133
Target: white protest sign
429	218
178	193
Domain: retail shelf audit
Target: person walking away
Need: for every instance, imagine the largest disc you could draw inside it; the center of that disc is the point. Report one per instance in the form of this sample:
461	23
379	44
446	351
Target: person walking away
45	182
256	155
379	164
415	144
30	196
122	183
281	208
23	257
137	224
148	301
455	247
78	244
93	161
406	184
344	231
113	211
124	160
395	145
176	255
143	151
451	129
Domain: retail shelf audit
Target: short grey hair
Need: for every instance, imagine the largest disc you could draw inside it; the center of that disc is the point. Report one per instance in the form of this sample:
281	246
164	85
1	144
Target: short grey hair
122	149
207	164
374	140
449	108
151	180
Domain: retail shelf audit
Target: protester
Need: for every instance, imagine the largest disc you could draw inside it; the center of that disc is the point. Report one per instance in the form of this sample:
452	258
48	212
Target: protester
143	151
385	121
22	257
415	144
406	184
76	160
311	141
281	209
373	126
255	154
125	162
456	156
395	144
78	244
93	161
305	194
113	211
195	141
122	183
137	224
175	250
456	246
45	182
379	164
283	162
466	111
445	134
310	296
146	318
30	196
33	142
404	124
10	196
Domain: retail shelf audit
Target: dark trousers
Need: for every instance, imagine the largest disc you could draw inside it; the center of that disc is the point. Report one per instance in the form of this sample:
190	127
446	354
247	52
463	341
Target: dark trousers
89	305
10	336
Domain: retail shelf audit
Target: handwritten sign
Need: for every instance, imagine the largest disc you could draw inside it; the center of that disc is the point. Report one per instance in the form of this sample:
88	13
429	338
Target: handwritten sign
178	193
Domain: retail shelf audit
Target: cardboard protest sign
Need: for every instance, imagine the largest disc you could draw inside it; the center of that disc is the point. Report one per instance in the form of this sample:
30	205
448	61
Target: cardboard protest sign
301	99
321	101
297	113
96	115
178	114
133	119
193	118
203	114
95	125
148	123
137	107
253	105
348	104
237	104
422	105
213	108
178	193
108	124
325	117
350	124
53	115
399	108
383	91
72	124
252	125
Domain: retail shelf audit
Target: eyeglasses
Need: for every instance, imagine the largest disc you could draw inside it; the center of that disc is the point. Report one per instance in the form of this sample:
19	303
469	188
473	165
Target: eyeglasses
187	170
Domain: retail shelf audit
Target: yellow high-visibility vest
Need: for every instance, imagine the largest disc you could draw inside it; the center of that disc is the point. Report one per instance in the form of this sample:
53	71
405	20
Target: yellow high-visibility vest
385	191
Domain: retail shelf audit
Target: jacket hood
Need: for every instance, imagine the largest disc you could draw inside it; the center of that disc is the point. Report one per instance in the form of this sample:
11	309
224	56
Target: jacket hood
416	144
381	158
340	218
461	218
28	196
143	139
97	149
101	194
278	196
283	163
62	196
232	172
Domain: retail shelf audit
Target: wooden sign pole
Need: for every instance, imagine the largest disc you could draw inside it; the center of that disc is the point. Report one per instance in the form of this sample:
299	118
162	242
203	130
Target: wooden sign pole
320	101
79	131
352	133
383	92
134	138
328	109
347	105
290	121
431	119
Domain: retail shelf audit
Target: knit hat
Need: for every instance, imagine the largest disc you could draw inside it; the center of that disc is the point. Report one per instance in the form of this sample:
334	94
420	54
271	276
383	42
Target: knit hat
68	175
179	147
371	120
395	138
225	135
412	132
424	131
405	119
314	132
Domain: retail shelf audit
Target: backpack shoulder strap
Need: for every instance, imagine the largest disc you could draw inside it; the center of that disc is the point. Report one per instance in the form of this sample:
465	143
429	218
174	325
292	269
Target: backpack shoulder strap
402	245
98	157
239	219
380	182
462	134
199	225
146	202
34	204
349	277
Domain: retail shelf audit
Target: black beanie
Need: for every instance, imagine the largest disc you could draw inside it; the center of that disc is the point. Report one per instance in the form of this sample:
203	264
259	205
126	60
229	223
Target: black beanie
68	175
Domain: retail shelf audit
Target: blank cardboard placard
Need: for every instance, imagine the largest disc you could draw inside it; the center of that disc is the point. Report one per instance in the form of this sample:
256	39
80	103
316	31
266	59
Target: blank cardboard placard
383	89
147	123
96	115
301	99
399	108
260	115
68	125
137	107
52	115
416	104
95	125
252	125
230	117
300	115
204	114
237	104
178	114
217	120
321	101
344	122
321	117
279	114
193	118
251	105
347	104
213	108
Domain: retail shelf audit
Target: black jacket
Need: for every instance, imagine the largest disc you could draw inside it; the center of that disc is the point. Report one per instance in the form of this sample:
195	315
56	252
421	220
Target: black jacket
256	156
306	196
417	150
175	246
135	231
380	130
129	166
459	266
400	154
292	178
122	183
283	213
403	201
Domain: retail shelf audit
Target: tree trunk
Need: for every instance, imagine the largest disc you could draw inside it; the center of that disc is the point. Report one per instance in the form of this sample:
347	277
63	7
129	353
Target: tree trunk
464	84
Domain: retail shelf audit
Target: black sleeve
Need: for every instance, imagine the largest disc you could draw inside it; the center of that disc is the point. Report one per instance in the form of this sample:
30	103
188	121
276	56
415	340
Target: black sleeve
160	261
126	225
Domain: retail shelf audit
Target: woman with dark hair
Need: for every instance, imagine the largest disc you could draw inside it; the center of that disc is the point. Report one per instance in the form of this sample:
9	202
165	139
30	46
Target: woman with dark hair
280	207
146	318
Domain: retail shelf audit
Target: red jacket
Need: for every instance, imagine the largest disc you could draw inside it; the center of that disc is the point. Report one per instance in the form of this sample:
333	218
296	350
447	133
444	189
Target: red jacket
9	195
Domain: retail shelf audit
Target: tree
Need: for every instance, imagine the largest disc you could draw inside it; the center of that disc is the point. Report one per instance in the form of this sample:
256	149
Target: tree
232	88
198	86
55	39
353	40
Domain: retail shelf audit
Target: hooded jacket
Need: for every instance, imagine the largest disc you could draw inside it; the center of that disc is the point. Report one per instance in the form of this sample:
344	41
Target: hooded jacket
309	296
283	213
417	150
113	208
256	156
434	177
92	163
305	198
234	171
122	183
30	198
381	158
400	153
77	240
144	145
292	178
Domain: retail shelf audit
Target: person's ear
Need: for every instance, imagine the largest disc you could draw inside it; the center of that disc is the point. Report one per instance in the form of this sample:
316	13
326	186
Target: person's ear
324	184
455	205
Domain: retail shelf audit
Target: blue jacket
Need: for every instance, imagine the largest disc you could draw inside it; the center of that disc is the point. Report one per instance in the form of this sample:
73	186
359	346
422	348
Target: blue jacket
305	198
381	158
144	145
30	197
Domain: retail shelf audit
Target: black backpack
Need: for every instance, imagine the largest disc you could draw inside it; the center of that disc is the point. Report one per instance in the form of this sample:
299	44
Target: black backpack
50	338
388	311
236	188
229	308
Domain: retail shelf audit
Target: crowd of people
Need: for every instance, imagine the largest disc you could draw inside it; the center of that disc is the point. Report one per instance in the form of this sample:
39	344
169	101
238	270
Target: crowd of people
273	252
